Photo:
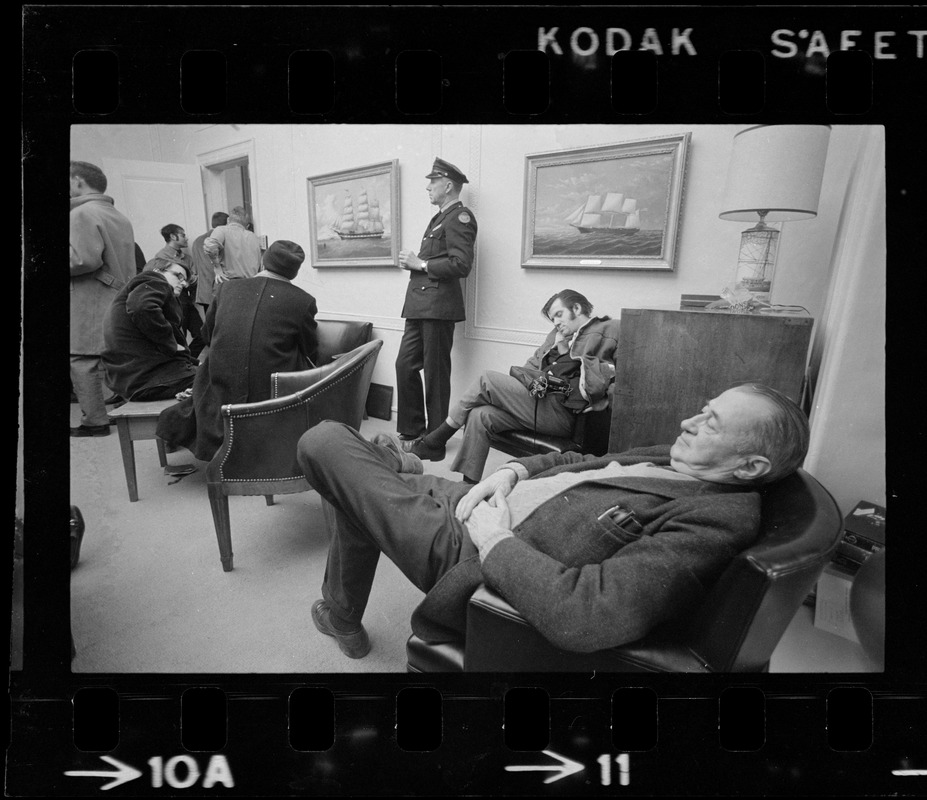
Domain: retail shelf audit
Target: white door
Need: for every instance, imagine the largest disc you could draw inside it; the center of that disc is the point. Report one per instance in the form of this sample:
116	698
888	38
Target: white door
153	194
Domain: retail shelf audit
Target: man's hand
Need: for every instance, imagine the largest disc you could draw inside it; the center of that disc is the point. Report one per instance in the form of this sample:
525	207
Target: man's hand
410	261
489	520
494	489
221	277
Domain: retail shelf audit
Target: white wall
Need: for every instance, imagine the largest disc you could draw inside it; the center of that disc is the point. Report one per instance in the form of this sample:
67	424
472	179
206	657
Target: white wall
503	298
847	452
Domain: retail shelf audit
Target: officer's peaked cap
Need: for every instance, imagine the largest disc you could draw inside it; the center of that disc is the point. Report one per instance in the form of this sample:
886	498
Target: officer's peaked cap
444	169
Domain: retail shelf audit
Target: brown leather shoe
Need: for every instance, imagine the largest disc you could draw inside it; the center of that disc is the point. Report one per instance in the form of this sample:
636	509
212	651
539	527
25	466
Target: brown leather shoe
354	644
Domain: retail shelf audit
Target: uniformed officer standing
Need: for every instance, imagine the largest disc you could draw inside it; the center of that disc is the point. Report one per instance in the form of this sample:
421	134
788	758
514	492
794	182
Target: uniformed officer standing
434	303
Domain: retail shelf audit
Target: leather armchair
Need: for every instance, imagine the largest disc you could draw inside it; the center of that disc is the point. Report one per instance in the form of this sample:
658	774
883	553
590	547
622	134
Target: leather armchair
339	336
590	435
735	629
258	454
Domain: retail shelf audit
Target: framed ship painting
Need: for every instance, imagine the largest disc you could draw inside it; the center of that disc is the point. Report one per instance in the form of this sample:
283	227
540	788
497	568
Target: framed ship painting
354	217
614	206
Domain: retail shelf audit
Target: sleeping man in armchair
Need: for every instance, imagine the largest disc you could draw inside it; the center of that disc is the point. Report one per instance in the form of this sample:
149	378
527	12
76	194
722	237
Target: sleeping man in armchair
593	551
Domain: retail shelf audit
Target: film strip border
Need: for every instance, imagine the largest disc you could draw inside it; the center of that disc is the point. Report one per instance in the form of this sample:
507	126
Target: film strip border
522	83
330	66
476	64
512	740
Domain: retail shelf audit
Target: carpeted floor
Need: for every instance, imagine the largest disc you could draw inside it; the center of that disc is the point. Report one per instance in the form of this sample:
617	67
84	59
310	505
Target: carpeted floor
150	595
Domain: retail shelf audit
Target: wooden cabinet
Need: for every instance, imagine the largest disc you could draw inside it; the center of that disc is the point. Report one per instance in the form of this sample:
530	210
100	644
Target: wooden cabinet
668	363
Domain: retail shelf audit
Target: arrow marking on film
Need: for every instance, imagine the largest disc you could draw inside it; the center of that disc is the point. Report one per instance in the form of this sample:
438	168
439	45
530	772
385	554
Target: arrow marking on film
124	773
566	767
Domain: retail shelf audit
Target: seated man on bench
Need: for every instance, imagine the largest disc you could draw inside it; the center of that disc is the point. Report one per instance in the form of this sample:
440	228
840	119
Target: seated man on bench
145	352
579	351
593	551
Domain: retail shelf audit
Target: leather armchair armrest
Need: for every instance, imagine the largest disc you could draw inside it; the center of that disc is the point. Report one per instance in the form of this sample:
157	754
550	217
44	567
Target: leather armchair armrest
260	438
499	639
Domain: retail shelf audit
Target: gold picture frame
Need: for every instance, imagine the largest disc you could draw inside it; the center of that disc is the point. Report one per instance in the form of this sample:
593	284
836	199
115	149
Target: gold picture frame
354	217
613	206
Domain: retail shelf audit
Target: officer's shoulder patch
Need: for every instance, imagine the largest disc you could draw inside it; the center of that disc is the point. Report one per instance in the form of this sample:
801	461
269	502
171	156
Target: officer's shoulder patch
464	217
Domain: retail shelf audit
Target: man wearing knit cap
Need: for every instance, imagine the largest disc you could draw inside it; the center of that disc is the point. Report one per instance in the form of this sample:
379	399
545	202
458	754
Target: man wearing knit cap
434	303
254	327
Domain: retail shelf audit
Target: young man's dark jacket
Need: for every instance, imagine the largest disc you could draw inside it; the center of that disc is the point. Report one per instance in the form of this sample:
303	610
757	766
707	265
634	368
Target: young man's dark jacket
141	331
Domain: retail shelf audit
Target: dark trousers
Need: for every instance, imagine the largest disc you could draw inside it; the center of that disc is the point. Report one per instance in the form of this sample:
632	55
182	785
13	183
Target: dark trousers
426	345
190	322
371	509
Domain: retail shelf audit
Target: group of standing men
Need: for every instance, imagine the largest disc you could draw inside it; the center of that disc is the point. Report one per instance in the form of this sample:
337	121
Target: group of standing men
128	325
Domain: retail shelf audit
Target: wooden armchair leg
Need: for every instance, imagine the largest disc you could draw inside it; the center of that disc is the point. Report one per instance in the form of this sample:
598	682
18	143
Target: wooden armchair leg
269	499
162	451
219	503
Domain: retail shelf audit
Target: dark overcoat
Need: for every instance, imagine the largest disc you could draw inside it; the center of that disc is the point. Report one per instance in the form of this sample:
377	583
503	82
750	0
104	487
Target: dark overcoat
254	327
141	331
447	246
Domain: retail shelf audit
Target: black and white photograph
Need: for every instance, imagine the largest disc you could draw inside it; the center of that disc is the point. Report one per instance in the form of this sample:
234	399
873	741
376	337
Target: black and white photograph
469	400
210	540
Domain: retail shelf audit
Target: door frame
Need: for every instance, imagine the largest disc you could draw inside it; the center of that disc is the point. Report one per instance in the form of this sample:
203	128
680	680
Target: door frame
214	193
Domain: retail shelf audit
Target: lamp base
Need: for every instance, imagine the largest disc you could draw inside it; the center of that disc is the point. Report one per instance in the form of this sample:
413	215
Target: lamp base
756	262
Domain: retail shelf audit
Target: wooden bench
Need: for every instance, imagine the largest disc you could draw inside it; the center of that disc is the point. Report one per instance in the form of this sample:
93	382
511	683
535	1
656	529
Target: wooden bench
134	422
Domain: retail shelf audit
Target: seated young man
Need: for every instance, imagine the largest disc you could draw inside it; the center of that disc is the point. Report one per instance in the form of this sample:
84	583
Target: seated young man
580	349
145	353
593	551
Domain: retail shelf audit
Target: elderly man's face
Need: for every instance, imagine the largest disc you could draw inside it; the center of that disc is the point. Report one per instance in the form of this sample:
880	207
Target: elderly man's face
710	445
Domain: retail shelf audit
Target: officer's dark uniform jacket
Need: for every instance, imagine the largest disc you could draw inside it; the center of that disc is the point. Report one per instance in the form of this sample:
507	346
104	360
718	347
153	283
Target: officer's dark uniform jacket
447	246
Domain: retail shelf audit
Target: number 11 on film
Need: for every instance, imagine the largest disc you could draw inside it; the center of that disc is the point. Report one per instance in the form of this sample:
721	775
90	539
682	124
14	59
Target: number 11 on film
624	769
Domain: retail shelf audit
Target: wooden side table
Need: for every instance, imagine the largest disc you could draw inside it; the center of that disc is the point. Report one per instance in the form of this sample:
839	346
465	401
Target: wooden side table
135	422
669	363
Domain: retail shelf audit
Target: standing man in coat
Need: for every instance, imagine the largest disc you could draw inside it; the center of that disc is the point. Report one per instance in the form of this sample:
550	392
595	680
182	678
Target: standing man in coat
433	305
203	267
102	262
234	250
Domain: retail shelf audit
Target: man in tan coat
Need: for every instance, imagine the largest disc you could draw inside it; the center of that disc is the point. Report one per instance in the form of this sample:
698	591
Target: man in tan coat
102	262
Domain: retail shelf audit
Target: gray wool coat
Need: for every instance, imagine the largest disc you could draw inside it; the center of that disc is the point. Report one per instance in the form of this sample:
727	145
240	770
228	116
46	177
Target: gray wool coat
584	583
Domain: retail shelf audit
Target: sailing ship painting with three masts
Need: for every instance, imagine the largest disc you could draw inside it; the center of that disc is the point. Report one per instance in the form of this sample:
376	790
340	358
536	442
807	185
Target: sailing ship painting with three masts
355	217
610	213
360	220
602	207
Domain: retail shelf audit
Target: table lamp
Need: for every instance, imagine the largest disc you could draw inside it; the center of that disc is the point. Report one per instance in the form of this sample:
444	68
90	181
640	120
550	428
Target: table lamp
774	175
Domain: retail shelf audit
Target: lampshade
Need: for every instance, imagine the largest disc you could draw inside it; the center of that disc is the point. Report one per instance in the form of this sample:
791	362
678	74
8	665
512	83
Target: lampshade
778	169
